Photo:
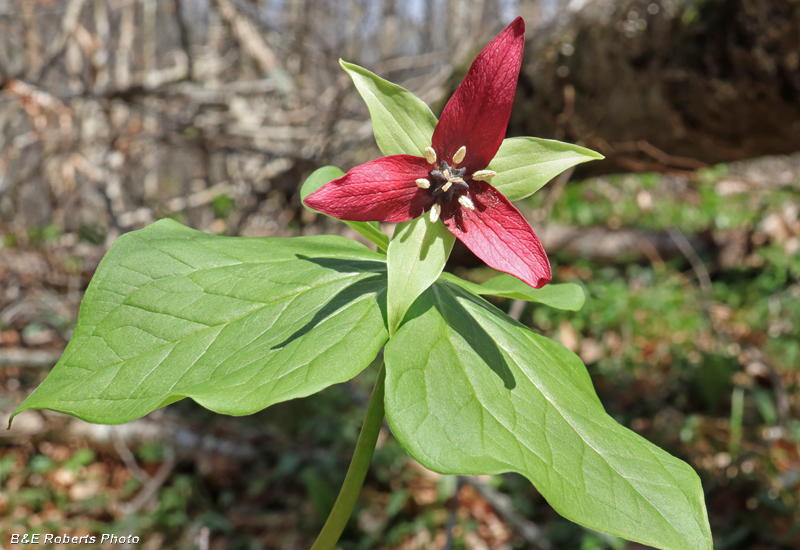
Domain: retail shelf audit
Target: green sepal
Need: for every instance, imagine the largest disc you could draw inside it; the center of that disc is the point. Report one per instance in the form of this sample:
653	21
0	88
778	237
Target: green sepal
525	164
403	124
567	296
321	176
236	324
416	258
470	391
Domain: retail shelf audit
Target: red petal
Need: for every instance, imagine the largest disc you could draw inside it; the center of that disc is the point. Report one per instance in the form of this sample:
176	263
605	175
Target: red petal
477	114
382	190
499	235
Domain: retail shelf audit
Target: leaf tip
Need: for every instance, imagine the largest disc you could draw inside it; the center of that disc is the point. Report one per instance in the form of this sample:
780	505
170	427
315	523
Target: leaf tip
588	153
345	65
13	414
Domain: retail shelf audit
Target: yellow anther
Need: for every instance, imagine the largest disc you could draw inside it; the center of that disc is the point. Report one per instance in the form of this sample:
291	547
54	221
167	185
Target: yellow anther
447	174
430	155
423	183
460	154
436	209
483	175
447	186
466	202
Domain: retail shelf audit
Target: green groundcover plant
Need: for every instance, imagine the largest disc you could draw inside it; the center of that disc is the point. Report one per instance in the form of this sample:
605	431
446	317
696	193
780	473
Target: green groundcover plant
238	324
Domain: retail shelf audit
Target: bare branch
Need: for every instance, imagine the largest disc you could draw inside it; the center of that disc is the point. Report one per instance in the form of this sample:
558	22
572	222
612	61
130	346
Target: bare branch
248	36
123	55
186	42
56	48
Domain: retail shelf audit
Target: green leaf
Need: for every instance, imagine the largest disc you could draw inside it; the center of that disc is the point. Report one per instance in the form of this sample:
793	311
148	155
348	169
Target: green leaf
236	324
402	123
525	164
567	296
471	391
416	257
321	176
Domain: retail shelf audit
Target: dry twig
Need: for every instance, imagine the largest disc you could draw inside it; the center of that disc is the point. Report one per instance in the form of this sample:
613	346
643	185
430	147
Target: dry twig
505	509
56	48
248	36
152	485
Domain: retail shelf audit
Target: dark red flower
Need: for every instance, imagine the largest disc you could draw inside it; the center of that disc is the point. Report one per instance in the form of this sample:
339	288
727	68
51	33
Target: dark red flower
451	181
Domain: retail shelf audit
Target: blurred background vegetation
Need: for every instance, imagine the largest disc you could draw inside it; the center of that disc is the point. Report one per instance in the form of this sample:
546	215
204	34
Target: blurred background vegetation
115	113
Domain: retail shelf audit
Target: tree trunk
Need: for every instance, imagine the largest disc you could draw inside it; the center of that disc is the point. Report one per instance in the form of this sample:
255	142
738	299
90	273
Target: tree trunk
646	81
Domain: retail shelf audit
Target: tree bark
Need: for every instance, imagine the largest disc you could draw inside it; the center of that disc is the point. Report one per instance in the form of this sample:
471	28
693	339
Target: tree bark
646	81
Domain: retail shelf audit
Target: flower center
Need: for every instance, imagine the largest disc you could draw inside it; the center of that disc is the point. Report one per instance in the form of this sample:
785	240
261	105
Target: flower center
446	182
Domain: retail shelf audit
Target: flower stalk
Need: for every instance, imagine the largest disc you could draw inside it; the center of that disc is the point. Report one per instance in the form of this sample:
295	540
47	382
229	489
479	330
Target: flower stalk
357	472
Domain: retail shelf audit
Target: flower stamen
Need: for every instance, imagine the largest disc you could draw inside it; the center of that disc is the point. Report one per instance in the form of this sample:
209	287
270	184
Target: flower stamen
422	183
430	155
447	185
460	154
483	175
466	202
436	209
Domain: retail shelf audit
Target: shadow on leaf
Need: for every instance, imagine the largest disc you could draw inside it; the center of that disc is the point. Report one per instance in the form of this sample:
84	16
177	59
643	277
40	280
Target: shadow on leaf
442	296
343	265
373	284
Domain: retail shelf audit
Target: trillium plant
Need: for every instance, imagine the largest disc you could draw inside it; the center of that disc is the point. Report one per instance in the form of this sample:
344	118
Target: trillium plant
238	324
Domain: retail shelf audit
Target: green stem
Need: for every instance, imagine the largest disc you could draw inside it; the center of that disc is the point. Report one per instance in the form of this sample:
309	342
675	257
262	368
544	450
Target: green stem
348	495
